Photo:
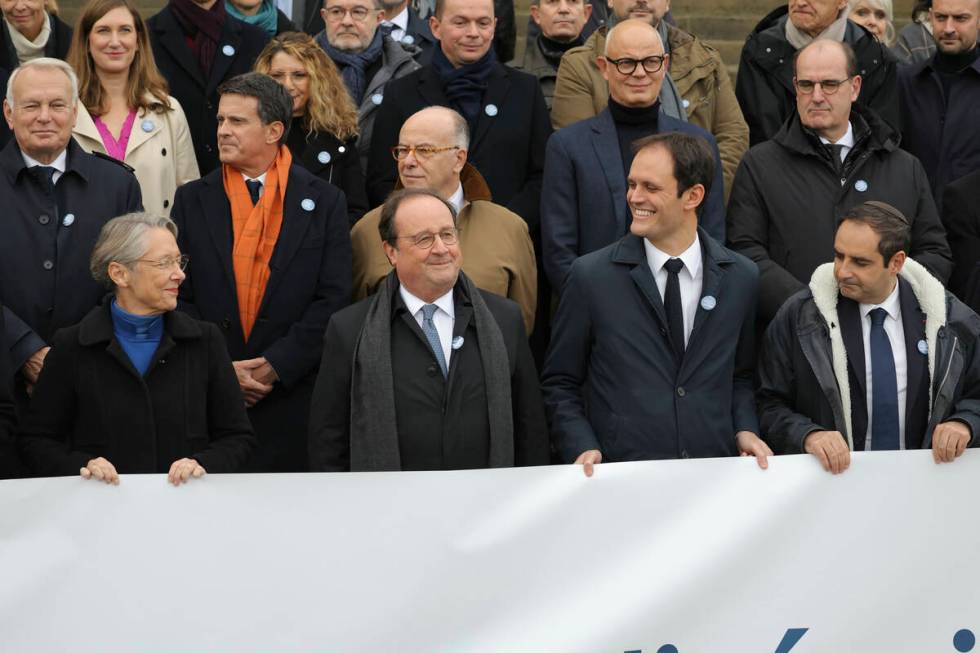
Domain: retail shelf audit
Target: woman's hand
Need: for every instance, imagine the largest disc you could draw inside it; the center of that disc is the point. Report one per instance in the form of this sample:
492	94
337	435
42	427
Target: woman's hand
183	470
101	469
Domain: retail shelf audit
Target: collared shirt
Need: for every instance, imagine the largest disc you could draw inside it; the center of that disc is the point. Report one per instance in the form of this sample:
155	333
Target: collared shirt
896	338
399	24
260	179
847	141
59	164
690	278
444	318
457	200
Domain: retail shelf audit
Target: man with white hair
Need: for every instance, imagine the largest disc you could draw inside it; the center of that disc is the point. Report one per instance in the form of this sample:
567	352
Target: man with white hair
56	199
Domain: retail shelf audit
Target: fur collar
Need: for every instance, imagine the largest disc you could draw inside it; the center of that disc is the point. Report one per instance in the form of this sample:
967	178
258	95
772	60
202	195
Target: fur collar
928	291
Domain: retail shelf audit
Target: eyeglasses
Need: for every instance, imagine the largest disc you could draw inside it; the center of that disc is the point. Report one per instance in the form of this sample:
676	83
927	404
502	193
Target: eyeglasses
651	64
400	152
426	240
336	14
828	86
168	262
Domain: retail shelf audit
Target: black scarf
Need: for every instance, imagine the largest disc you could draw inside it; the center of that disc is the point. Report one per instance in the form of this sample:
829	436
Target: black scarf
354	64
552	51
203	26
464	86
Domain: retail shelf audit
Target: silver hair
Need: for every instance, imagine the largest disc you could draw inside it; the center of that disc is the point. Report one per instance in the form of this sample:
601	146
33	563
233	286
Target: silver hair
461	129
887	7
122	240
44	63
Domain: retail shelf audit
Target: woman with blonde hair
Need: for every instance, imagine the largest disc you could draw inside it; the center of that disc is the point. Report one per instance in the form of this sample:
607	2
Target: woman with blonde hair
31	29
124	109
876	16
323	133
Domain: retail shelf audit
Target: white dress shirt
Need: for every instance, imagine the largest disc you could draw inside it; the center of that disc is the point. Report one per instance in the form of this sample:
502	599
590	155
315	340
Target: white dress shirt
689	278
847	141
896	338
398	24
260	179
58	164
444	318
457	200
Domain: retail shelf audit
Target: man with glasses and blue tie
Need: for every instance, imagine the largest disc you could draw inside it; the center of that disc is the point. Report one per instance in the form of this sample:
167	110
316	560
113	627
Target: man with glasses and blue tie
790	192
874	355
430	372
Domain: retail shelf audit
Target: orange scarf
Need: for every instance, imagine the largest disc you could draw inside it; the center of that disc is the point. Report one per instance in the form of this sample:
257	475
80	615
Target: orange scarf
256	230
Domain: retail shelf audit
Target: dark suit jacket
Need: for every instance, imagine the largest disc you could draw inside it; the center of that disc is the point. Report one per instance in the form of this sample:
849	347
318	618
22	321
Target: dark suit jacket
337	162
441	425
961	217
422	37
583	205
611	381
310	279
507	148
917	384
10	465
197	93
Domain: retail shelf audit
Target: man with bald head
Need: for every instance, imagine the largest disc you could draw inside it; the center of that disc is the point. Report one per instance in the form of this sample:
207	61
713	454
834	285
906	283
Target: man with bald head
697	88
583	205
431	153
765	72
791	191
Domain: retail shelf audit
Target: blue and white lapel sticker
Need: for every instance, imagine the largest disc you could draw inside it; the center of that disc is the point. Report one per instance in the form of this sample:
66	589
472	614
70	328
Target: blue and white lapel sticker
377	99
923	347
457	342
323	157
708	303
308	204
147	126
341	149
68	220
860	185
408	39
491	110
228	51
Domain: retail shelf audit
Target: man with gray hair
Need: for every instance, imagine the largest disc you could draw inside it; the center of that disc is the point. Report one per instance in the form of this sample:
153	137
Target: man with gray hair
56	199
269	263
366	56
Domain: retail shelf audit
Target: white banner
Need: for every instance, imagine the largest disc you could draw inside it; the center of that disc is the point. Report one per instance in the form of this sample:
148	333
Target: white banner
659	557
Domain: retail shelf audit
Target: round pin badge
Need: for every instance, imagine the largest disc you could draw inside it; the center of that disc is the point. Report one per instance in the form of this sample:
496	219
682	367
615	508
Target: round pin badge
68	220
377	98
491	110
686	103
923	347
708	303
323	157
408	39
147	126
228	51
341	149
860	185
308	204
457	342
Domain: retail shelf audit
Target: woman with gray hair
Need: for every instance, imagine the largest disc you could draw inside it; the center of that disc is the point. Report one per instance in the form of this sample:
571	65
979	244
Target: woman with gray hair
137	387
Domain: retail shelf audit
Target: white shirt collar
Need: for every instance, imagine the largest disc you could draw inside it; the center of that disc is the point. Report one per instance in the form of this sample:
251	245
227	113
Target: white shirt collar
401	20
457	199
891	305
260	178
690	256
847	140
414	304
58	164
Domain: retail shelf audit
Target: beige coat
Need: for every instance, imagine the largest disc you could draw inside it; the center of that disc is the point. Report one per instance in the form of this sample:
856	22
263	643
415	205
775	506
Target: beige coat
495	245
159	150
696	68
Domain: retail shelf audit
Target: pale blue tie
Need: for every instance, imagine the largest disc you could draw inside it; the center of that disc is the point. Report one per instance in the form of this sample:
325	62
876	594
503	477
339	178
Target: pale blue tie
429	329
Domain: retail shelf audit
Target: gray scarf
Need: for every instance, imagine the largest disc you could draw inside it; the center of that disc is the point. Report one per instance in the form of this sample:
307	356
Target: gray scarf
834	32
373	427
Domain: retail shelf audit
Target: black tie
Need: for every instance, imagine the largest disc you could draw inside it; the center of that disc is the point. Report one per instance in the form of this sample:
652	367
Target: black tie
835	154
45	175
254	186
672	304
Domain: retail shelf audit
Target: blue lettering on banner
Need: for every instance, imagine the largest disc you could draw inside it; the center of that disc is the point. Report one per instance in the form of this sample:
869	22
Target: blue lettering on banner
963	641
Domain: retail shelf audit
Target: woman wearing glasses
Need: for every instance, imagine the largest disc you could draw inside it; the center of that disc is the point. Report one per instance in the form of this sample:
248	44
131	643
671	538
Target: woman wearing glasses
323	133
137	387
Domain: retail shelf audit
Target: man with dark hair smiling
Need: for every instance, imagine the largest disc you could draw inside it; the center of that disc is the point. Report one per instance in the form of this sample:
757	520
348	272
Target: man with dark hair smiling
652	354
875	355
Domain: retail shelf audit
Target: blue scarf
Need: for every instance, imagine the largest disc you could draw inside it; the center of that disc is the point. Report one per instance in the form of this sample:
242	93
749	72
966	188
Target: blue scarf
267	17
138	335
354	64
464	86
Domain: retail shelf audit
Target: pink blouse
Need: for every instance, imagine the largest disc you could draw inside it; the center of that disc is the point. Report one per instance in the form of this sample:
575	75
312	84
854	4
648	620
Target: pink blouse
116	148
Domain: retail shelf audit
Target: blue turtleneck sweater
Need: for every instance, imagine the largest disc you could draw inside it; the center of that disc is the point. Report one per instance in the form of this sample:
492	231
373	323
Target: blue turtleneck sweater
139	335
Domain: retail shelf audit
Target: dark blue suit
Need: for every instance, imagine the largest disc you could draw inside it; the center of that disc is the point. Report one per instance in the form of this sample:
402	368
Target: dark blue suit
612	382
310	279
583	199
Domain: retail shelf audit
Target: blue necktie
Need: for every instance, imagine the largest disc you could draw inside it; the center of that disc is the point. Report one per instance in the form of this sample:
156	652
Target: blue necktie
429	329
254	186
884	386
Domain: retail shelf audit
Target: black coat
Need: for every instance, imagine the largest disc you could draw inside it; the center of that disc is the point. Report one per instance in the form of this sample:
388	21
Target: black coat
10	465
787	200
507	148
942	132
419	34
334	161
56	47
90	401
764	86
44	263
310	280
612	381
197	93
441	424
961	217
